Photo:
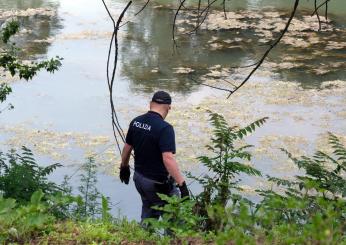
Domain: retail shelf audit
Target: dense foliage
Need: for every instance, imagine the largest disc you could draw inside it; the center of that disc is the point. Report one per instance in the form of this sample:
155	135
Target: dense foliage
310	209
20	222
224	166
34	210
21	176
35	223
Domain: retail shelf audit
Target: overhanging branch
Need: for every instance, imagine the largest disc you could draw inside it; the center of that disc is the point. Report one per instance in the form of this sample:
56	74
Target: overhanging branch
117	129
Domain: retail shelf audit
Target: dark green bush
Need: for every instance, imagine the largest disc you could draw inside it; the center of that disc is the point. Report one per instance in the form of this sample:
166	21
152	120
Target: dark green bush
179	218
224	164
21	176
21	222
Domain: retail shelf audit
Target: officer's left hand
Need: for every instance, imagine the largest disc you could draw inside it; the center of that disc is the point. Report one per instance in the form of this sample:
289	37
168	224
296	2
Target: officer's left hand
125	174
184	191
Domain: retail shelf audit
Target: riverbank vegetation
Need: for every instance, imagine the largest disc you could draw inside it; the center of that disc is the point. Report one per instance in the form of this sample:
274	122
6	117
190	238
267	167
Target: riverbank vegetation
309	209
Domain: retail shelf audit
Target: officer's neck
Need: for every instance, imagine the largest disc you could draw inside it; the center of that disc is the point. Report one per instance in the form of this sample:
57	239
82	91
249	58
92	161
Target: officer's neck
162	114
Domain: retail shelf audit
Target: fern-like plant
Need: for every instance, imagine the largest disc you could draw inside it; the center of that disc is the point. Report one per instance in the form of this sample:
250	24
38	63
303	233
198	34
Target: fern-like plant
224	165
21	176
323	182
89	202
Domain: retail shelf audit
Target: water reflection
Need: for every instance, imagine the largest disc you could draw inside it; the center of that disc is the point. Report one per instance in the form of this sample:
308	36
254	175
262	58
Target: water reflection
149	60
38	23
25	4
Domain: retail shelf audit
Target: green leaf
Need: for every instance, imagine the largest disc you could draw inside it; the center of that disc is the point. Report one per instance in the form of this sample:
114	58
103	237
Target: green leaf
6	205
37	197
10	29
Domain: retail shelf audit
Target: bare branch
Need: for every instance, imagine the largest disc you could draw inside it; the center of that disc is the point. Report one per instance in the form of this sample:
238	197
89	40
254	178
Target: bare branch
318	16
210	86
224	8
232	84
174	22
319	6
8	107
145	5
110	79
198	22
269	49
198	13
246	66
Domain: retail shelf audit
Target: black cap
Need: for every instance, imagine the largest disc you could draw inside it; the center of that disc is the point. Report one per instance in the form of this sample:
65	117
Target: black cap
162	97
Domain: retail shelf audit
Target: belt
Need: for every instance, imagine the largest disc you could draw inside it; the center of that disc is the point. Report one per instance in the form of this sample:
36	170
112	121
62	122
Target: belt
150	179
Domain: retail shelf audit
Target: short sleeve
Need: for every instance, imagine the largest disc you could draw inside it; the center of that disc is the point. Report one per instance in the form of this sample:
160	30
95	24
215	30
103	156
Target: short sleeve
167	140
129	138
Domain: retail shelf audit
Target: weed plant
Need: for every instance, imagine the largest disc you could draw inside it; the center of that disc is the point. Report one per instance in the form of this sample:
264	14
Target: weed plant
22	222
21	176
228	159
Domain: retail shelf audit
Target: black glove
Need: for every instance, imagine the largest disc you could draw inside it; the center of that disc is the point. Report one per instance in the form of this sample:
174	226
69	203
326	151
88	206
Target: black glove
184	192
164	188
125	174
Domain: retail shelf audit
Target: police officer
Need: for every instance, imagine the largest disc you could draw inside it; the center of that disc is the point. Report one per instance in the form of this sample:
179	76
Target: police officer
153	142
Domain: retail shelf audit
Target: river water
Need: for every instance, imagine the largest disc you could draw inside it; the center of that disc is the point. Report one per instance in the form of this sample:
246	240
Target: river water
65	117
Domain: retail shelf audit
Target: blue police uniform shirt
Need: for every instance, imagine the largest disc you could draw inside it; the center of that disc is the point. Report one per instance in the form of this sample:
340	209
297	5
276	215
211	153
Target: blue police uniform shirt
150	136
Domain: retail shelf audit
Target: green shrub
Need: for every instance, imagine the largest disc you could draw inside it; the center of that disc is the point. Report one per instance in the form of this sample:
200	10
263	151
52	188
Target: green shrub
224	165
310	210
89	198
178	218
10	29
322	187
21	176
89	204
21	222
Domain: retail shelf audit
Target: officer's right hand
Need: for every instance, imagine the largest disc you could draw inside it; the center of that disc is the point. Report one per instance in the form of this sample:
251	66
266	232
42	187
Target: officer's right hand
125	174
184	192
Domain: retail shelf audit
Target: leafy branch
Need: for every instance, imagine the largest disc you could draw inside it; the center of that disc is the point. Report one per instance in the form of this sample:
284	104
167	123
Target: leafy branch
10	62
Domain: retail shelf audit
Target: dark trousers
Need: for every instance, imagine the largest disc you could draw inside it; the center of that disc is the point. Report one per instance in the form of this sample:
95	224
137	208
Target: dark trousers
147	188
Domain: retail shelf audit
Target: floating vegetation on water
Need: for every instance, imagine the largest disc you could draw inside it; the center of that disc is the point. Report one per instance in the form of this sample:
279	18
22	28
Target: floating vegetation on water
183	70
88	34
246	26
311	109
335	45
263	22
30	12
53	144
